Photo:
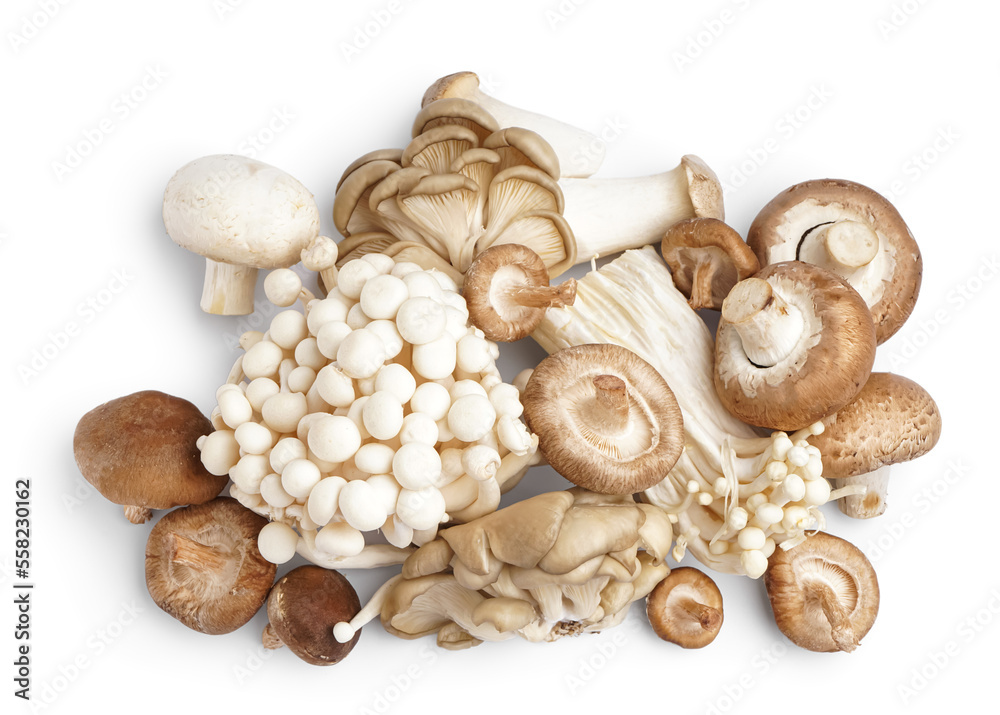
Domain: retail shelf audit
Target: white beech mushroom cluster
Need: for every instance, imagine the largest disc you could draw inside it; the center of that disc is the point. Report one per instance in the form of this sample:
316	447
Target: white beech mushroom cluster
375	408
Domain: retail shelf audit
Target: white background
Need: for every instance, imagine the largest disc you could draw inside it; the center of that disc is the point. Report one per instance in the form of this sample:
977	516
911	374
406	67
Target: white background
899	95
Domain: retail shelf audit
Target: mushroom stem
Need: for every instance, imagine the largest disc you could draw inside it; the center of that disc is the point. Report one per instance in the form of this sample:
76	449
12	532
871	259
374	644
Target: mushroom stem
611	215
138	514
228	288
270	639
843	246
707	617
841	629
345	630
870	502
191	553
543	296
609	408
768	326
701	284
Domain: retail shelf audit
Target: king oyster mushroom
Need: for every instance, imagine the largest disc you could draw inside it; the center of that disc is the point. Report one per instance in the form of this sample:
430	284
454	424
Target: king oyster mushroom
795	343
851	230
606	420
556	564
892	420
824	593
580	152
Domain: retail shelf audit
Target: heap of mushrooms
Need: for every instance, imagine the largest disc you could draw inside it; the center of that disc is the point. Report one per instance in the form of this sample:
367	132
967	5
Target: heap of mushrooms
554	565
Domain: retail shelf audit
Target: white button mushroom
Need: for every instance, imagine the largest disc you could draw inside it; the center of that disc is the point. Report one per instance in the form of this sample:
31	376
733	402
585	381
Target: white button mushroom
262	360
324	499
282	287
277	542
421	320
283	411
396	379
420	509
416	466
259	390
360	506
383	415
335	387
273	493
435	360
471	417
375	457
334	438
382	296
361	354
284	451
431	399
253	438
299	477
352	277
219	451
340	539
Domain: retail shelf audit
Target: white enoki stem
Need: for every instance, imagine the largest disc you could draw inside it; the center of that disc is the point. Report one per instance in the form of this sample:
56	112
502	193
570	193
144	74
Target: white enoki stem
727	474
769	327
345	630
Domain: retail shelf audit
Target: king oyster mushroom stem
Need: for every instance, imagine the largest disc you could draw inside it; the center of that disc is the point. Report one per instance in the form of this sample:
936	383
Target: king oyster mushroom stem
734	495
580	152
611	215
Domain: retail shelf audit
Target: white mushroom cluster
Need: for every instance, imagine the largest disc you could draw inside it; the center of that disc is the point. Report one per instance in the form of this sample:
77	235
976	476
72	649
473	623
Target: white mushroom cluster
375	408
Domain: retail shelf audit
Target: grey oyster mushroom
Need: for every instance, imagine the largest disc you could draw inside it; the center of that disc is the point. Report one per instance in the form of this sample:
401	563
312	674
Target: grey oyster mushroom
554	565
241	215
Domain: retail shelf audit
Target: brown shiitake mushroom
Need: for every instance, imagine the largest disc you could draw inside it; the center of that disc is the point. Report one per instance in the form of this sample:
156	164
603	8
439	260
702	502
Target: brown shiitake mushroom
823	592
606	420
303	608
892	420
707	258
795	343
686	608
203	566
141	451
507	292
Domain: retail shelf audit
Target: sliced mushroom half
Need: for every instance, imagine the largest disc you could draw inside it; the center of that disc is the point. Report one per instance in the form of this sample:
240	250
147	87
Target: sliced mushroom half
606	420
823	592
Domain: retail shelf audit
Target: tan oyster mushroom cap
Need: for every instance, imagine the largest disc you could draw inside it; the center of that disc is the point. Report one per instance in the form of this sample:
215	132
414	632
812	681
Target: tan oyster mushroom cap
241	215
824	593
302	610
852	230
605	419
141	451
686	608
507	292
580	152
707	258
795	343
892	420
203	566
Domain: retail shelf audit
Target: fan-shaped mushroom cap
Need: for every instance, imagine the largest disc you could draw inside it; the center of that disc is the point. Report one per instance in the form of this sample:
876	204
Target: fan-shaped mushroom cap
141	451
302	609
203	566
707	258
823	592
794	344
605	419
848	228
892	420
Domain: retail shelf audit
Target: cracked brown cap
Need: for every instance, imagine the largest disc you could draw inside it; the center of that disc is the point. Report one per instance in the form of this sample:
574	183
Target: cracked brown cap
140	451
203	566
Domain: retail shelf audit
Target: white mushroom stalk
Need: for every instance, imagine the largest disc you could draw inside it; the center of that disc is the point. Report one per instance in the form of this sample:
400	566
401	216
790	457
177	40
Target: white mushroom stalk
734	495
378	408
611	215
580	152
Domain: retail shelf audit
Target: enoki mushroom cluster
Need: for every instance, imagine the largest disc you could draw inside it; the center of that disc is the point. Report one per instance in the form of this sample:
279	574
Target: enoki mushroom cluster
375	408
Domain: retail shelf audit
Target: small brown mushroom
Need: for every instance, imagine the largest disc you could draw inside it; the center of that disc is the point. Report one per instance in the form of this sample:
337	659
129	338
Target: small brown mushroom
686	608
203	566
304	606
707	258
507	292
606	420
892	420
794	344
140	451
823	592
851	230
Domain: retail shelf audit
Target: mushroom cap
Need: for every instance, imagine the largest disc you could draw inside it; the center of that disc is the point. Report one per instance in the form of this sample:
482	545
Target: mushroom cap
566	403
686	608
691	243
828	367
141	450
777	233
457	84
892	420
796	580
230	587
234	209
304	606
491	278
